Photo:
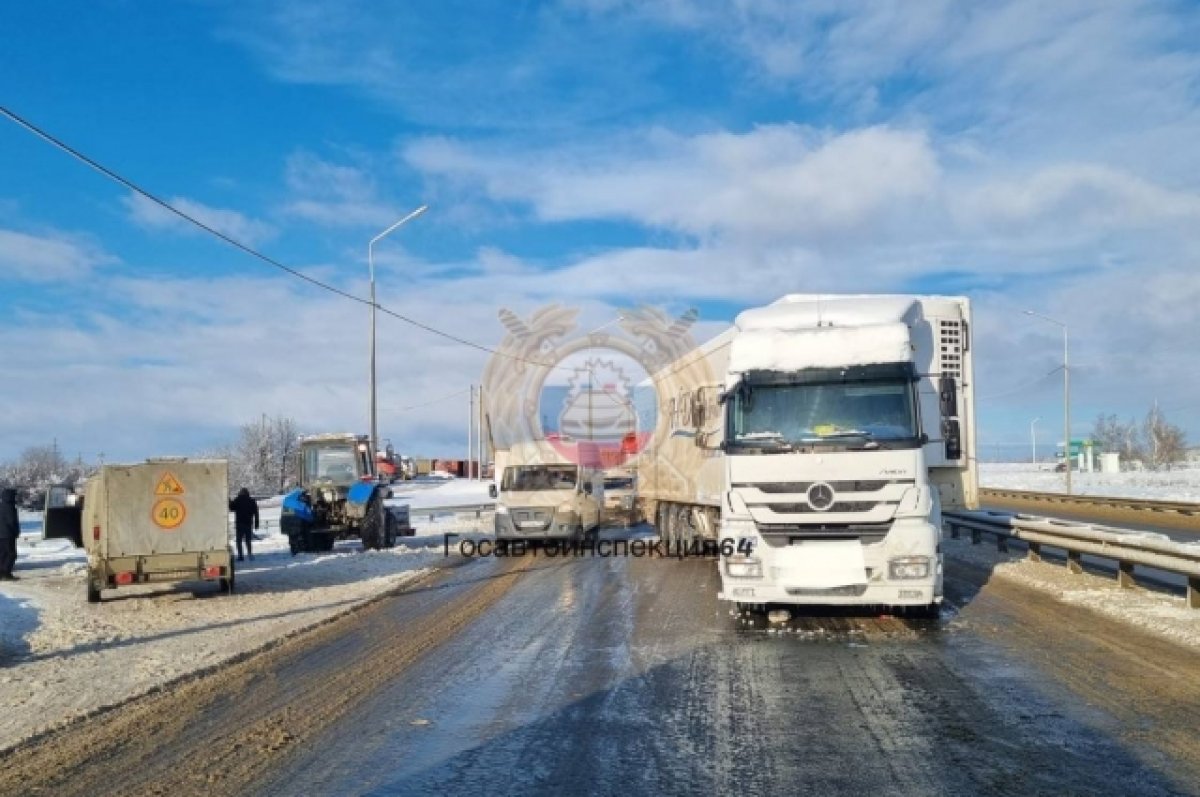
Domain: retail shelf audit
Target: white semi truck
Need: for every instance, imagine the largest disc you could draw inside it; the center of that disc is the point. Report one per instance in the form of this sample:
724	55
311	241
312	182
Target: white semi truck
816	443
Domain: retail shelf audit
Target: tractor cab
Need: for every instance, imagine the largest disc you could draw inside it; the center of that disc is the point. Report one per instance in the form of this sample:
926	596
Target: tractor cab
334	461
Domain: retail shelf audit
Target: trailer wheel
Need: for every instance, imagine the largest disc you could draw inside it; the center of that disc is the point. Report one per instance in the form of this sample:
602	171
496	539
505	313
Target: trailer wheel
93	592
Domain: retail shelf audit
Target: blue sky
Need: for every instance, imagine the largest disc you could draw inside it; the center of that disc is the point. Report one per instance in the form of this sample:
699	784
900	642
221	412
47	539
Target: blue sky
599	153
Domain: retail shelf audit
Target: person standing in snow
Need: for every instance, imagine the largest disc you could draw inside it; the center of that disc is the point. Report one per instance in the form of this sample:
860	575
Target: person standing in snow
245	511
10	529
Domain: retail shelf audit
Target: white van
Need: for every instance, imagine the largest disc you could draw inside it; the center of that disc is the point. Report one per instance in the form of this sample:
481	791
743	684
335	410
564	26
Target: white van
555	501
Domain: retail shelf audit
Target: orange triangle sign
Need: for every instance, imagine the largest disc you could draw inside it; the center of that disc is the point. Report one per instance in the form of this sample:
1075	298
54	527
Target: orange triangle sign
169	485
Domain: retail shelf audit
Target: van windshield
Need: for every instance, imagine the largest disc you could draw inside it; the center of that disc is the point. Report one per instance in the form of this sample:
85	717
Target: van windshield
540	477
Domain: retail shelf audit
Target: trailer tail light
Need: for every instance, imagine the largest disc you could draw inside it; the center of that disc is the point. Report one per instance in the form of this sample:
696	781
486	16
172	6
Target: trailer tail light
212	572
123	578
96	533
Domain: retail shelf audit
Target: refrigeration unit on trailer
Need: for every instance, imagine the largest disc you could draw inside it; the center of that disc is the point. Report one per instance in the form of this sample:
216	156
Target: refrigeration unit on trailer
817	441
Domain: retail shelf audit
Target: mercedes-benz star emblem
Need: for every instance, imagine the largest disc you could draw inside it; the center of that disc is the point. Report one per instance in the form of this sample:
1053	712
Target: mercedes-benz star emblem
820	496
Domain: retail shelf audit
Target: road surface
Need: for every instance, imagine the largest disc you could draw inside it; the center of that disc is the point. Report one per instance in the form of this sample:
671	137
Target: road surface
626	676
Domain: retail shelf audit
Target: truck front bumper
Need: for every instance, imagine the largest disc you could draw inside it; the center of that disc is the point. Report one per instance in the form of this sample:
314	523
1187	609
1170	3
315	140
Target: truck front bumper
778	582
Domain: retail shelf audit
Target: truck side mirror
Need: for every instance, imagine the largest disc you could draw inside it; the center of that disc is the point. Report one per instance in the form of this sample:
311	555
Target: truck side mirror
492	491
948	393
953	437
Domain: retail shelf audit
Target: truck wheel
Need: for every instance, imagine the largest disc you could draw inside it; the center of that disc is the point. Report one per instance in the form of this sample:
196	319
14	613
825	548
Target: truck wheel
930	611
227	585
93	592
295	543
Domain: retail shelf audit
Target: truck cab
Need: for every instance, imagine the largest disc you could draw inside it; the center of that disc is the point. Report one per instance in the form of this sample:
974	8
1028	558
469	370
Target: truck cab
847	426
548	501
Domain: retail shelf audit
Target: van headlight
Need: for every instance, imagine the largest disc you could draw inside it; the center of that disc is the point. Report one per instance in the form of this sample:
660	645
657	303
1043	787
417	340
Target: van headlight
743	566
909	567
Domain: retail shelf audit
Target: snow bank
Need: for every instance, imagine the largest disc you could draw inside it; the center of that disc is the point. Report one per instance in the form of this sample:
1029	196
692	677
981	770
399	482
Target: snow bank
61	657
1174	485
1159	613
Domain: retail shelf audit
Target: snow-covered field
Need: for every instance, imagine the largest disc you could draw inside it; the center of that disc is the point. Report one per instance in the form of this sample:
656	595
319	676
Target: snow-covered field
61	657
1174	485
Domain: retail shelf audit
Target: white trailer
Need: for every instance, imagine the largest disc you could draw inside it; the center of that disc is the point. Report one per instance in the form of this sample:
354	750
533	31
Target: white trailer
817	442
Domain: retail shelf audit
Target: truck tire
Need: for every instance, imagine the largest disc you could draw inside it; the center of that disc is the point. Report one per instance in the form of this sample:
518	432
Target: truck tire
374	524
93	592
929	611
227	584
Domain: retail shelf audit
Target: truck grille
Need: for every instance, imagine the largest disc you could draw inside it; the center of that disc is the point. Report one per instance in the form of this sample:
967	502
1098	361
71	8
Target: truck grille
870	486
866	533
838	506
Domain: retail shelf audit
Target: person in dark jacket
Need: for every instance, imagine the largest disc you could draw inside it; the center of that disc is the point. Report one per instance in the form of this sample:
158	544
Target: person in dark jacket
10	529
245	512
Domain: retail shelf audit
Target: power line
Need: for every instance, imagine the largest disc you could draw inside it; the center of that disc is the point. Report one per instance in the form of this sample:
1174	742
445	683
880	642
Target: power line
455	394
1021	387
132	186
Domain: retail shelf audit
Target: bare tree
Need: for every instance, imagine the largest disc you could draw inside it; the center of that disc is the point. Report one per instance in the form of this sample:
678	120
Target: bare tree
1166	443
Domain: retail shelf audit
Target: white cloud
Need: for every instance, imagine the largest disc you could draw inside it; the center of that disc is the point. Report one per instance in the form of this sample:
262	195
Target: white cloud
149	215
778	181
334	195
46	258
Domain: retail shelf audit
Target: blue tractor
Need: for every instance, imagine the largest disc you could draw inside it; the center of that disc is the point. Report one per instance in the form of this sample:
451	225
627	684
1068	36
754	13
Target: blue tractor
340	497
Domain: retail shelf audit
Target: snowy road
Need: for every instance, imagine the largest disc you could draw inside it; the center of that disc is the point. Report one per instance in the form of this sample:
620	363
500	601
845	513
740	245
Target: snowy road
626	676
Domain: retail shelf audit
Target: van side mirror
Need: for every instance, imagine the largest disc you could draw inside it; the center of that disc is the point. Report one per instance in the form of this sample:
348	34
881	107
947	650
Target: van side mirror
953	437
492	491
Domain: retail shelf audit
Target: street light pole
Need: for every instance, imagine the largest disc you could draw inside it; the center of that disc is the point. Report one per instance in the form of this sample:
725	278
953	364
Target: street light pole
1066	395
1033	438
371	268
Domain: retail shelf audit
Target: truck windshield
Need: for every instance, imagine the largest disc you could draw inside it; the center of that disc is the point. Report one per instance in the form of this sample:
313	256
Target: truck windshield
874	414
539	477
330	463
618	483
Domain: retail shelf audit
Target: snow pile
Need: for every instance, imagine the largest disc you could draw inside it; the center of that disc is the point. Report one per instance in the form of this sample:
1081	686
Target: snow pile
1159	613
62	657
419	494
1172	485
827	347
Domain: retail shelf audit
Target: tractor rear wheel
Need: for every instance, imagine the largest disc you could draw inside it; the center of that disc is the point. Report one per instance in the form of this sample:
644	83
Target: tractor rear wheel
374	524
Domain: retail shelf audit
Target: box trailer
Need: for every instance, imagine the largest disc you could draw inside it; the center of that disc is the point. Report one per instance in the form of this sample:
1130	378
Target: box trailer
162	520
816	442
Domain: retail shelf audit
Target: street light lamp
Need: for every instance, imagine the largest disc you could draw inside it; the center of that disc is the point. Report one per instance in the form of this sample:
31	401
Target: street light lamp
1033	438
1066	396
371	267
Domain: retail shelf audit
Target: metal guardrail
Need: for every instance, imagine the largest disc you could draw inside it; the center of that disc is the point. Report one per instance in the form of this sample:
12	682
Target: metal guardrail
1127	549
457	509
1187	513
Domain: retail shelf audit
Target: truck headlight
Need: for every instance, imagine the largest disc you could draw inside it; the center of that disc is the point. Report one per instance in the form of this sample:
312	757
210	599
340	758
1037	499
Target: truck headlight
627	502
742	566
907	567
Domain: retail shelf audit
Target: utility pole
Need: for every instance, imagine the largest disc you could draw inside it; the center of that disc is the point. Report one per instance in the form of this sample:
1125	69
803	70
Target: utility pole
479	433
470	431
1033	438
